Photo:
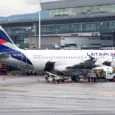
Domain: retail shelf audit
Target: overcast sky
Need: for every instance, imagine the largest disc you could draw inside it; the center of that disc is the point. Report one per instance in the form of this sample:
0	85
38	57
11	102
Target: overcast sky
12	7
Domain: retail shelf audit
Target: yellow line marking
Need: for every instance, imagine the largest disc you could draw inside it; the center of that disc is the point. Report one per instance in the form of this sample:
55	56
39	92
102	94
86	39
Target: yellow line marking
105	93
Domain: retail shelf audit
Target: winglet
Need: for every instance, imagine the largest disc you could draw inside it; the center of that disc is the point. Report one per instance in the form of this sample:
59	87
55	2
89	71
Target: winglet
92	58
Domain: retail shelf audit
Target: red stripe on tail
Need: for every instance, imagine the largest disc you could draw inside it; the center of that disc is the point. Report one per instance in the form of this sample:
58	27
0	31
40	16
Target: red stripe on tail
2	41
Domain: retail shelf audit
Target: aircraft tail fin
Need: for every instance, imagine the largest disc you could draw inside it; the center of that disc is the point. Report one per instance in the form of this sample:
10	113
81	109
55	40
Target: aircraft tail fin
5	41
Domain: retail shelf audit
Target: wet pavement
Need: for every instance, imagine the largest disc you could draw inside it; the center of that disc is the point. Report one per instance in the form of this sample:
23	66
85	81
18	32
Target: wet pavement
23	95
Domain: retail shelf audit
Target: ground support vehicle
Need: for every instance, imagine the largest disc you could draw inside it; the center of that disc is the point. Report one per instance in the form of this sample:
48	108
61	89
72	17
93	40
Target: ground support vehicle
56	78
83	75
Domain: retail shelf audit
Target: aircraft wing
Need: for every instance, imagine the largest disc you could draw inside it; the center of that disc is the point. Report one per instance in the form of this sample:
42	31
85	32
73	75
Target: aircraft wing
4	55
88	64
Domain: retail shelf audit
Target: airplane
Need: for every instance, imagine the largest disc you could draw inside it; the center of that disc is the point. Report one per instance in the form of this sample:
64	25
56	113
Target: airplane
52	60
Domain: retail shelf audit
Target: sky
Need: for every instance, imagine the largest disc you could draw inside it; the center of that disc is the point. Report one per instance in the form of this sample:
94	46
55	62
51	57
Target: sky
12	7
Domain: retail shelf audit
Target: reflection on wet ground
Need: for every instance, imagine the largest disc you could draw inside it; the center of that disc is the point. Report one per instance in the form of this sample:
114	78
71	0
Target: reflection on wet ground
21	95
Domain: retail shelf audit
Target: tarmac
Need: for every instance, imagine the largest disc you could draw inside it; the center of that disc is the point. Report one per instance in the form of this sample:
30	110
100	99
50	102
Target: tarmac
28	95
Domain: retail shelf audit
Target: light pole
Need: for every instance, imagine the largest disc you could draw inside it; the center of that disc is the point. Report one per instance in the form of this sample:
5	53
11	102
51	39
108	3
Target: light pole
39	29
39	18
113	34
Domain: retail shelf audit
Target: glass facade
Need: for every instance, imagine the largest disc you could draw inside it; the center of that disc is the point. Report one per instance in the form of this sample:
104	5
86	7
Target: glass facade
84	10
19	34
20	30
25	31
82	19
106	26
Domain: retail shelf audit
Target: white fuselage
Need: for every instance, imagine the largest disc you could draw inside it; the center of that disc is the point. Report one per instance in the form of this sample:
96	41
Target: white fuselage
65	58
62	58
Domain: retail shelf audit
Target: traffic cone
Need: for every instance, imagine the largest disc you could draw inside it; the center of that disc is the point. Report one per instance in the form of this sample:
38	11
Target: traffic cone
55	82
69	80
3	78
64	82
90	81
38	79
78	81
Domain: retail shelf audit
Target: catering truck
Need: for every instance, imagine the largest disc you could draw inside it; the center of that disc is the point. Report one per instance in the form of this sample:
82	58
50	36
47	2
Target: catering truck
105	72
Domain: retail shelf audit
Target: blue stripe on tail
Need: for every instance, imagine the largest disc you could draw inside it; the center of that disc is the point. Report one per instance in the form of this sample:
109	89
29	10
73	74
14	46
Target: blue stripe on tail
4	36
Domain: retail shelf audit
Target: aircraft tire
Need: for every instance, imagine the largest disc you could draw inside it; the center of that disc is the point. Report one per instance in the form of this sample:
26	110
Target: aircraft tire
94	79
114	78
75	78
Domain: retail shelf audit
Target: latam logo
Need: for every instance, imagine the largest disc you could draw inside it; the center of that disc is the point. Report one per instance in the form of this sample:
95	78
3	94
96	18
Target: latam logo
112	54
102	54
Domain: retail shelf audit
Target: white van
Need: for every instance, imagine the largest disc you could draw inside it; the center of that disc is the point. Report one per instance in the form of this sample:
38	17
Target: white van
108	71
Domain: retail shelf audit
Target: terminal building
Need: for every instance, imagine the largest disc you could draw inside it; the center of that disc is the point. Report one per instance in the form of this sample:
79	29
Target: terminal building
72	24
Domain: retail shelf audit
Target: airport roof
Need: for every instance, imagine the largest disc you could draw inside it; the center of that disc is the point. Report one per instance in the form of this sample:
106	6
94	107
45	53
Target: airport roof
74	3
57	20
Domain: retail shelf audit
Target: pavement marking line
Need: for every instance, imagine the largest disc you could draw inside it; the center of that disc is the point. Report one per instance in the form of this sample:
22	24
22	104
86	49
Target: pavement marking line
15	89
